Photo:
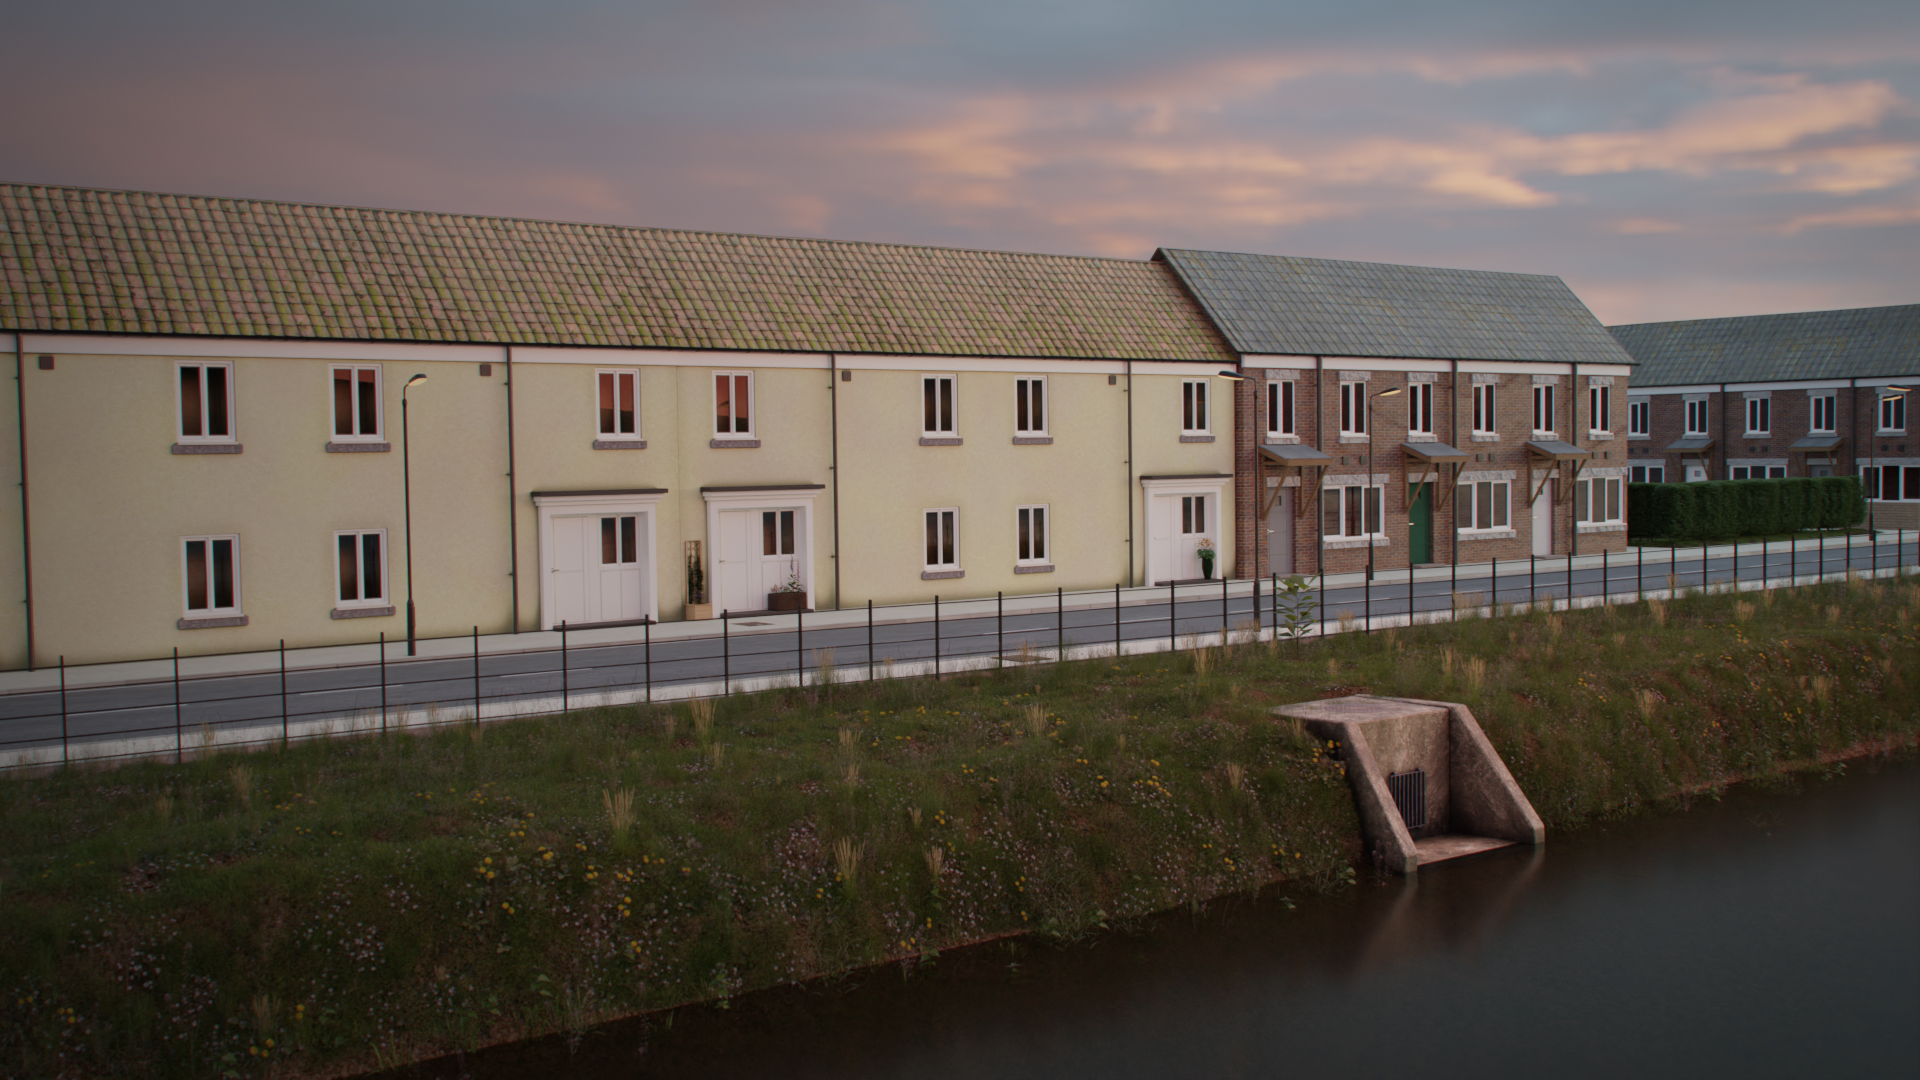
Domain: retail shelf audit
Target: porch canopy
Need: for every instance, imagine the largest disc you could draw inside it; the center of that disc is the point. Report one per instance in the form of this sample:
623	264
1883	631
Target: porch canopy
1433	459
1691	445
1815	444
1280	460
1547	455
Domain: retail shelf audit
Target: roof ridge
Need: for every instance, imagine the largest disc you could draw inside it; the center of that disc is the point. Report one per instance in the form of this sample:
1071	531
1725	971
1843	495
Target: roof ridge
1767	315
578	224
1363	262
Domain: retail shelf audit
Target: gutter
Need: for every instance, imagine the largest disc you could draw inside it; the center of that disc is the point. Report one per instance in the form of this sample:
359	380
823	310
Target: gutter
1320	493
1130	548
513	505
1453	511
833	400
1573	437
26	531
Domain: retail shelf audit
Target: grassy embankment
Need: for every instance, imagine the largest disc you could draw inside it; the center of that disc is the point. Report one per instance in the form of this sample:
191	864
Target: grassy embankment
332	906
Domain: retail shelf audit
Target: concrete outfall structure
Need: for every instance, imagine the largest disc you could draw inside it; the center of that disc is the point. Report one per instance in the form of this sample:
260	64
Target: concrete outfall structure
1471	802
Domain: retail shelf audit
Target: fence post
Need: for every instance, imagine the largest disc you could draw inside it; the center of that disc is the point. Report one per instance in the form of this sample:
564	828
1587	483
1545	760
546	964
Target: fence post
1493	587
1410	603
1060	624
1736	564
1256	607
1533	588
63	708
799	653
178	740
1453	579
1366	592
476	676
726	656
1000	626
1273	590
1173	618
283	692
1823	555
563	665
1639	574
647	656
936	635
1226	619
1323	597
1703	564
1116	620
1606	576
869	640
383	682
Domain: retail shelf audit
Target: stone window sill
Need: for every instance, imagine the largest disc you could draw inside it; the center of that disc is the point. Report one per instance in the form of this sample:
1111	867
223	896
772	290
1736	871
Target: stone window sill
207	448
1356	542
1488	534
1604	527
733	444
619	444
1599	436
1421	436
362	612
211	623
941	575
1033	440
1036	568
359	448
940	441
1485	436
1358	440
1196	438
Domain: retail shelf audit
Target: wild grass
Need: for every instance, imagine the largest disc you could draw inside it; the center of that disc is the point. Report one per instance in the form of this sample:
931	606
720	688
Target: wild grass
308	909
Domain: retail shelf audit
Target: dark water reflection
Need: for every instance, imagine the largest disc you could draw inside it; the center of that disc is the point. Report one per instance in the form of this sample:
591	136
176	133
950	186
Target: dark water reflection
1773	933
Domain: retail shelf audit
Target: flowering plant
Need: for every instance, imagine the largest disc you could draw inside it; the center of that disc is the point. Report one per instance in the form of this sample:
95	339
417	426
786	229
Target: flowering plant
792	585
1205	548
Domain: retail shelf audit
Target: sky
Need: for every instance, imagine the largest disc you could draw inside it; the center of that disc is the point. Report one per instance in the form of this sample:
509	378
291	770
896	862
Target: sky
1670	159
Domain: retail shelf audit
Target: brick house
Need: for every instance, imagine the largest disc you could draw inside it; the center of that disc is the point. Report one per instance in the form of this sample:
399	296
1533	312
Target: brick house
1418	415
1815	393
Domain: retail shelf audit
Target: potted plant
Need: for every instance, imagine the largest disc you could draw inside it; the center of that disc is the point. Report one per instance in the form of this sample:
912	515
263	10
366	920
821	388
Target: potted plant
791	596
697	605
1206	553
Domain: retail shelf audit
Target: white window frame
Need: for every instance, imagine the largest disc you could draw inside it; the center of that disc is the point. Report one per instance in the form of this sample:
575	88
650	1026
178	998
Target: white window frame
379	434
1639	418
1599	411
1196	407
1609	509
1282	399
1696	409
1759	414
1485	419
1892	413
1499	503
211	610
1420	408
200	369
1033	396
1033	535
383	600
1353	408
1645	474
1543	408
1823	406
733	388
932	519
931	426
1342	496
605	413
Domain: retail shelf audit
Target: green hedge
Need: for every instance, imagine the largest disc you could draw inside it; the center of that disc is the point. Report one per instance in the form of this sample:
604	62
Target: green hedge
1722	508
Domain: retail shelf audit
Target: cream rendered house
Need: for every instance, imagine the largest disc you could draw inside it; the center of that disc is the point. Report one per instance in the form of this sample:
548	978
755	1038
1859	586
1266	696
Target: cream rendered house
213	453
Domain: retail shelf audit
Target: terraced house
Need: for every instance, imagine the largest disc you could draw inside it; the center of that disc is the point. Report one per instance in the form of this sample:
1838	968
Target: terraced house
1814	393
224	440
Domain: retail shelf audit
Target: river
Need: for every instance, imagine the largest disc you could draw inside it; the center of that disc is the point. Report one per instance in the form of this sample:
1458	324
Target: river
1774	932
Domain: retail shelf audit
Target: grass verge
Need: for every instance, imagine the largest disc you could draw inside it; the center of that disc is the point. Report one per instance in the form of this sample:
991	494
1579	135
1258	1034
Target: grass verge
333	907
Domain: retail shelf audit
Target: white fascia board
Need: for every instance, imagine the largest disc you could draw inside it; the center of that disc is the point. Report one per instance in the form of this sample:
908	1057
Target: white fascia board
1620	370
1298	363
1052	365
6	342
1542	367
1382	363
219	348
727	359
1798	384
1697	388
1910	381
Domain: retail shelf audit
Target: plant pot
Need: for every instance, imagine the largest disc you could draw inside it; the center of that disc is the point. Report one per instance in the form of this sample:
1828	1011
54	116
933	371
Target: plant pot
1206	569
699	611
786	601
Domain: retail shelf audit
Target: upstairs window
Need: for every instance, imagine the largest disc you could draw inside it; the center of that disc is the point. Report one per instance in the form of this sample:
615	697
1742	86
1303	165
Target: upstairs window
1696	416
1599	410
206	403
1543	408
733	404
1759	416
1420	409
1639	416
1280	408
1483	396
1030	406
363	568
1194	418
357	409
1893	413
1821	415
936	393
619	395
1353	408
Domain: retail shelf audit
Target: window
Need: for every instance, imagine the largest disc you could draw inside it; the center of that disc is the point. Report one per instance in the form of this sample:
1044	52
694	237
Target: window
733	404
212	575
937	412
1351	512
1888	483
1032	539
1759	416
1193	515
1280	408
206	403
356	404
1757	472
776	532
1639	417
1649	474
1822	416
1543	408
1599	409
1696	416
363	568
1893	413
1596	501
1193	407
943	540
618	392
1030	406
1353	408
1484	505
1483	394
1420	408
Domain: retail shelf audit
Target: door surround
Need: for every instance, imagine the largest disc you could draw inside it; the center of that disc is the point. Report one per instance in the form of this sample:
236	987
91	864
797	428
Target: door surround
798	497
643	503
1211	485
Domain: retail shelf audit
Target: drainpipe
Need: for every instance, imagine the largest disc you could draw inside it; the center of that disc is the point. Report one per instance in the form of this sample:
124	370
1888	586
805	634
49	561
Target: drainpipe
1453	433
1319	493
1724	473
26	533
1573	436
1130	549
833	402
513	505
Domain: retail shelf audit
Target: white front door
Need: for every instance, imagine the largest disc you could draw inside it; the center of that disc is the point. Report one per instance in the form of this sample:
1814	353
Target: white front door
1543	520
595	572
1280	533
759	551
567	574
1175	527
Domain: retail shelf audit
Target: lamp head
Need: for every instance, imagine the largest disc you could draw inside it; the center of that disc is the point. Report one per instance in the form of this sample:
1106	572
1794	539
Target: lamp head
1235	375
415	380
1388	393
1902	390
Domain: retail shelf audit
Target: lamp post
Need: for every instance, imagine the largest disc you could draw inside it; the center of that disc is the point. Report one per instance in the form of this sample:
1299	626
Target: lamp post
1873	448
1383	487
406	488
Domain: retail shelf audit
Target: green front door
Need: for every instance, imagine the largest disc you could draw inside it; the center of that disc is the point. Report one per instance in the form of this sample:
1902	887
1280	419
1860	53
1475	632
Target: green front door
1420	526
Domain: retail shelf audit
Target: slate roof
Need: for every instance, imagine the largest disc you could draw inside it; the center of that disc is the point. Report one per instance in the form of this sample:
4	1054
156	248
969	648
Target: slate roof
1331	307
1875	342
88	260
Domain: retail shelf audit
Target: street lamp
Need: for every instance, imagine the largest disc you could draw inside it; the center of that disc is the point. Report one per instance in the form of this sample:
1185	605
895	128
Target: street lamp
406	488
1369	484
1873	448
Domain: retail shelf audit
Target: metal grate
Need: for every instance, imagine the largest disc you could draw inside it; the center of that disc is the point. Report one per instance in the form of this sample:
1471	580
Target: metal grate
1409	791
